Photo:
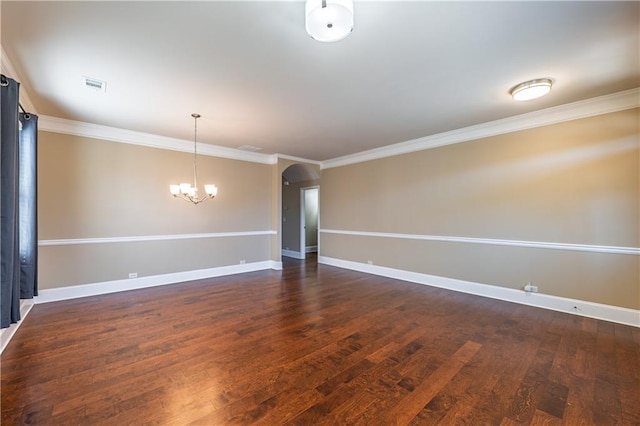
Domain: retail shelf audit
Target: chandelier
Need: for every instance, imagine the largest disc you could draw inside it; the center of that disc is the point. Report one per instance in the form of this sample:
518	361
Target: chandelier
185	190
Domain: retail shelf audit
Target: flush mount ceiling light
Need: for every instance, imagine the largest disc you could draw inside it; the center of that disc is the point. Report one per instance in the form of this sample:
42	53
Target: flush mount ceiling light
531	89
329	20
185	190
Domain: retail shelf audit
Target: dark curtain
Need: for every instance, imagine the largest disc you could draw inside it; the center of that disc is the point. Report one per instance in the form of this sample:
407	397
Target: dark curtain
9	166
18	248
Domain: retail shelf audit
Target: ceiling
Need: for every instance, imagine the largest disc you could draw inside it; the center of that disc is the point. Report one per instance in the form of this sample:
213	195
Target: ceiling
408	70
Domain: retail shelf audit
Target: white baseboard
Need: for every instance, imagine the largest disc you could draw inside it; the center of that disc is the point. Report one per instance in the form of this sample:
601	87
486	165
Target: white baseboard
7	333
311	249
94	289
293	254
555	303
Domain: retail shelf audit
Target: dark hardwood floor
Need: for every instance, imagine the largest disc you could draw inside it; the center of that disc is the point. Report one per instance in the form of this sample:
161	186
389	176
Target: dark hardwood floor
315	345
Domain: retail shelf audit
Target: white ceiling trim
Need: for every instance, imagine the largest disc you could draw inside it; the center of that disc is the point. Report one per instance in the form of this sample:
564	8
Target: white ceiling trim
78	128
298	159
582	109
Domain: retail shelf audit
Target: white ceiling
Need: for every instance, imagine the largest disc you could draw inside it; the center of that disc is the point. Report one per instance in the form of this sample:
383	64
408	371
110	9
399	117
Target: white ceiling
409	69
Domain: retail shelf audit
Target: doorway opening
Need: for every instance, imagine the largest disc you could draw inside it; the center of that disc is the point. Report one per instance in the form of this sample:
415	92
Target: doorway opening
309	220
300	212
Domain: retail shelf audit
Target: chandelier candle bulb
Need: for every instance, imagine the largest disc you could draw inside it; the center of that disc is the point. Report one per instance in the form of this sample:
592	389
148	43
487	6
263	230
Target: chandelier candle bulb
211	190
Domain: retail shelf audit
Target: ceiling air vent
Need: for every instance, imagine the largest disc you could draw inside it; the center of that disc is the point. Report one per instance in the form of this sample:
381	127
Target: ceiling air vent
95	84
249	148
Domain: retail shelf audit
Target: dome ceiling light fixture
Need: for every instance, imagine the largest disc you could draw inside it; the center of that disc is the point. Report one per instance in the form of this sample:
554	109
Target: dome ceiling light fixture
531	89
329	20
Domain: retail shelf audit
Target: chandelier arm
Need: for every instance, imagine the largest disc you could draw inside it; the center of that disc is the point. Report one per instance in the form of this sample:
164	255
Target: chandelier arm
191	199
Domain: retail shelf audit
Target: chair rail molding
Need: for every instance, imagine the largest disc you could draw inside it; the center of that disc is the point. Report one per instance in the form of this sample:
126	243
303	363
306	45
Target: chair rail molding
635	251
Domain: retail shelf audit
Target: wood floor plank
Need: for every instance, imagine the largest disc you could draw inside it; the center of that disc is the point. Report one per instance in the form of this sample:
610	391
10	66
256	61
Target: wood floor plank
540	418
412	404
532	388
353	408
627	373
520	336
314	344
606	407
475	401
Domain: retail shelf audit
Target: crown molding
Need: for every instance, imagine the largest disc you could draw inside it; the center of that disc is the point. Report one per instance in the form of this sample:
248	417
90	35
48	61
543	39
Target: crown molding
78	128
620	101
298	159
9	70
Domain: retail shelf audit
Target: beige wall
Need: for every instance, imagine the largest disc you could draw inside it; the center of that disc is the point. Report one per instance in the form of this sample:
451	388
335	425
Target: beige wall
575	182
90	188
68	265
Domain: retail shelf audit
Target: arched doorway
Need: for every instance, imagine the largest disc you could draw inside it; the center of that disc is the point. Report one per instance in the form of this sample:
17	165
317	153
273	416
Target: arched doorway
300	211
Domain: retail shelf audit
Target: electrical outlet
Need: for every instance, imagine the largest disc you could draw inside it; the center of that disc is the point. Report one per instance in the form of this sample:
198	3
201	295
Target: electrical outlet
530	288
242	262
370	262
133	275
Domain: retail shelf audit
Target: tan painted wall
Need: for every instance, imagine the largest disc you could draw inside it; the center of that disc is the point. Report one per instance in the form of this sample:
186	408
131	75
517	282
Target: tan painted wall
574	182
63	266
89	188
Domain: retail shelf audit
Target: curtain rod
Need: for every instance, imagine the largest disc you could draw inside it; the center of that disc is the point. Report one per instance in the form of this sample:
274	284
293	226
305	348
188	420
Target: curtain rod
4	82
